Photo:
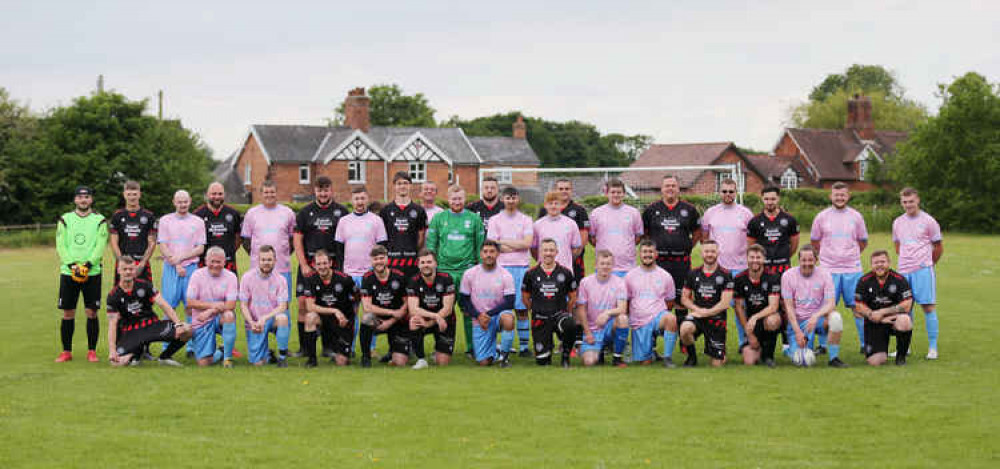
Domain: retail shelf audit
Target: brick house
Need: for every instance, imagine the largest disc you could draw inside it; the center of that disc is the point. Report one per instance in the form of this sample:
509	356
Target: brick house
821	157
692	181
359	154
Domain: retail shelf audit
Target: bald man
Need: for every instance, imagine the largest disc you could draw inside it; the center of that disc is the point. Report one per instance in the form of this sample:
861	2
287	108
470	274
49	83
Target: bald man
222	224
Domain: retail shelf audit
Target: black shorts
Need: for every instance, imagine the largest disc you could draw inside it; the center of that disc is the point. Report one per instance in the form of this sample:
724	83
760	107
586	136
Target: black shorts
679	271
70	290
300	283
405	264
715	335
398	335
544	326
444	342
146	274
342	336
133	337
777	268
579	269
877	337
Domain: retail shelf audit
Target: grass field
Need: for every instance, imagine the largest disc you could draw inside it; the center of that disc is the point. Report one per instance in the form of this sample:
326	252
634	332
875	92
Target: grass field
81	414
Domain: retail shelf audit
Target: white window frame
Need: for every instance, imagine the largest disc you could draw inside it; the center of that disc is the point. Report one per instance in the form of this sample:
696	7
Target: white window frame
417	171
789	179
504	176
359	172
246	174
862	168
451	174
306	177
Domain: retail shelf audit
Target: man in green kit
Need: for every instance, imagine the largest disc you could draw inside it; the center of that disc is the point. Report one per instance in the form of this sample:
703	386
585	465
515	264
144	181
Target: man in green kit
81	236
456	236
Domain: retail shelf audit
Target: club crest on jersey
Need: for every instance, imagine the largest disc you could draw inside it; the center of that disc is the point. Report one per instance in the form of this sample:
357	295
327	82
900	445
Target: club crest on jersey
338	288
395	284
684	212
892	288
783	222
143	219
439	288
561	278
413	213
719	280
764	285
337	213
468	224
571	213
140	292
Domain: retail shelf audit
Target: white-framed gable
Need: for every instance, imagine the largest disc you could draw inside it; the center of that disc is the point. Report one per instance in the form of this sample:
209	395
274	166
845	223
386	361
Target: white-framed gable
866	154
811	168
260	144
357	147
419	148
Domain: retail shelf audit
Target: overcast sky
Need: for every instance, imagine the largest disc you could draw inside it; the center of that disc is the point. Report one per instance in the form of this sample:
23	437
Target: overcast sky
698	72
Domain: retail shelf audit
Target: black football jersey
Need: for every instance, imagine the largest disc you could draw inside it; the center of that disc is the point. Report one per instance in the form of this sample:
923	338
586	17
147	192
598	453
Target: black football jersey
775	235
484	211
755	295
133	305
431	295
389	294
222	229
671	228
707	288
338	292
317	224
878	295
133	230
549	290
403	226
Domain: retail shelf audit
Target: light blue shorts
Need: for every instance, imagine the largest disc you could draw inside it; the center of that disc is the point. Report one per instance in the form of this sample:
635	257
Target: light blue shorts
844	287
485	342
516	271
600	335
257	343
203	340
820	329
173	287
923	282
618	273
642	338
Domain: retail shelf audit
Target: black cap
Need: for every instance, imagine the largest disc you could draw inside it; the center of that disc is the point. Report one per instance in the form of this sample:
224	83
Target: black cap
83	190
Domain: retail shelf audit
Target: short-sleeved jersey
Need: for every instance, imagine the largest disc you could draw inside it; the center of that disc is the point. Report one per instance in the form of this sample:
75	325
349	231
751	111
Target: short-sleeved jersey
916	236
616	229
671	228
203	286
648	293
600	295
431	295
222	229
808	293
839	232
707	288
317	224
878	294
727	225
132	306
755	295
274	226
403	226
337	292
181	233
431	211
485	211
260	295
133	230
487	288
563	231
506	227
548	290
575	212
775	235
388	294
456	238
359	232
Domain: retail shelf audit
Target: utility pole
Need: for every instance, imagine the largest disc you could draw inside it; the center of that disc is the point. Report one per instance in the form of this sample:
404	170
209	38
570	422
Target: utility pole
159	112
100	83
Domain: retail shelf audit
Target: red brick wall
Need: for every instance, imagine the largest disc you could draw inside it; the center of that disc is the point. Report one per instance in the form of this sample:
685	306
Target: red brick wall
705	183
259	170
787	147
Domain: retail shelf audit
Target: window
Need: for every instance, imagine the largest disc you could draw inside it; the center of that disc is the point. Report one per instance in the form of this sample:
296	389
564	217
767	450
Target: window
789	179
246	174
503	176
451	175
304	174
862	169
418	171
355	172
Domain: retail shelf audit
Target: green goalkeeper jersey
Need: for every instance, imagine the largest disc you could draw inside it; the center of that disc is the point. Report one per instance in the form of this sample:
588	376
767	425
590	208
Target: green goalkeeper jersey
456	239
80	240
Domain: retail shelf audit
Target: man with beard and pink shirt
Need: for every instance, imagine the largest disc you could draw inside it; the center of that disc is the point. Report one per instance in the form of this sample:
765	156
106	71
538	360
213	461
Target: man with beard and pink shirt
514	232
271	224
651	294
726	224
917	237
616	227
359	232
808	294
559	228
487	294
839	236
602	309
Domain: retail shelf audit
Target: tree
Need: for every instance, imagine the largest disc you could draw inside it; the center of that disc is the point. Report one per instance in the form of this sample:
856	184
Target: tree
953	159
389	107
827	105
100	140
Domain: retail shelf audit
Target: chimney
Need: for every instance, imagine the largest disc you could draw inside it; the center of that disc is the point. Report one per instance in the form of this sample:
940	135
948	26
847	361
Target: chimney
356	110
859	117
520	130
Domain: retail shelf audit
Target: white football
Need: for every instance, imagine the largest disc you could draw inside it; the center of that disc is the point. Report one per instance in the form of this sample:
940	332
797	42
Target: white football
804	357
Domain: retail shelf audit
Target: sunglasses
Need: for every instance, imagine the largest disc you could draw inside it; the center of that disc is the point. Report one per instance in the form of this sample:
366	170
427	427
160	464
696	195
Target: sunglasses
728	192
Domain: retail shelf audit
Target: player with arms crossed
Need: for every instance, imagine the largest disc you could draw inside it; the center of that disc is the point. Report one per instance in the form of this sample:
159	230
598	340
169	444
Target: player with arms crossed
917	237
383	296
708	292
602	308
430	299
514	232
808	293
487	294
132	324
549	290
81	236
331	297
212	293
757	295
839	236
222	224
884	299
133	232
263	299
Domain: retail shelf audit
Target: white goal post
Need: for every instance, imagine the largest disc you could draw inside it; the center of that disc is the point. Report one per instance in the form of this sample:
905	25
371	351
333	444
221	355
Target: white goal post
628	175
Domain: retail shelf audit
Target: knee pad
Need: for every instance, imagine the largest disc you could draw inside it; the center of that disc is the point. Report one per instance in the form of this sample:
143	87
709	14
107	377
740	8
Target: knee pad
835	323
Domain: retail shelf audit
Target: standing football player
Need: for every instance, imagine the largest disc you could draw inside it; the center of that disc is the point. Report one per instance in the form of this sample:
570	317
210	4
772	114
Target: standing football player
776	231
917	237
222	224
617	227
133	232
489	202
514	232
428	197
271	224
726	224
405	226
575	212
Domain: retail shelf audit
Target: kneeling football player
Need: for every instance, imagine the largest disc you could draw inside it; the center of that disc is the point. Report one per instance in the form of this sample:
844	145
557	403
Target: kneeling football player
212	292
487	294
132	324
651	294
884	299
383	294
601	306
549	290
330	296
757	296
264	298
430	297
708	292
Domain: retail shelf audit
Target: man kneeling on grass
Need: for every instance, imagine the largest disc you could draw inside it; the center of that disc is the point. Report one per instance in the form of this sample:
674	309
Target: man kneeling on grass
132	324
264	298
884	299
